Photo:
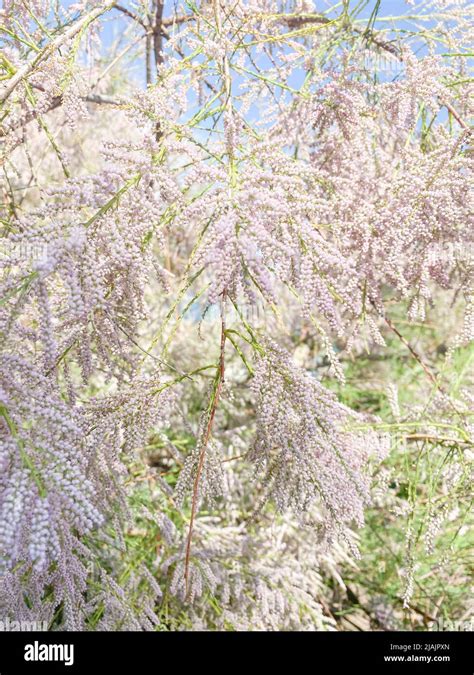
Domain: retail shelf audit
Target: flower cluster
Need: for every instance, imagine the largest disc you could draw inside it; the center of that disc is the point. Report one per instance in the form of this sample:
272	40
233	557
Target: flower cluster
304	443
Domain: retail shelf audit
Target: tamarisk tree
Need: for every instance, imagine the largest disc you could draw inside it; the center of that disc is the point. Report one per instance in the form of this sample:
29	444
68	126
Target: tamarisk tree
193	193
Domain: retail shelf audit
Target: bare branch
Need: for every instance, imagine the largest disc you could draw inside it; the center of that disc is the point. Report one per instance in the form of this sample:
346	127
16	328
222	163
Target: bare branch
131	15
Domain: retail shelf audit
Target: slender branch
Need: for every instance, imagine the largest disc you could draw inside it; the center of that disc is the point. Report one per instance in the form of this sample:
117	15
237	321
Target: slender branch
412	351
462	123
295	21
205	441
177	20
57	101
415	355
436	439
131	15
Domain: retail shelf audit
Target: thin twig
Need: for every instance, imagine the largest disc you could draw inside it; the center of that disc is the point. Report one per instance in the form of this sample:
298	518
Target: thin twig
131	15
415	355
205	441
436	439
